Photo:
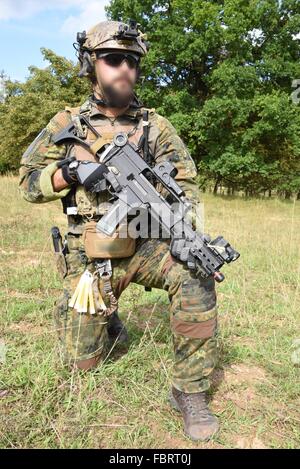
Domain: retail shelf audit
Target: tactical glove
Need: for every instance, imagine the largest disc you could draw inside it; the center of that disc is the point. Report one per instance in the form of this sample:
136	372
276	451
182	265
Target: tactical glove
87	173
181	250
91	175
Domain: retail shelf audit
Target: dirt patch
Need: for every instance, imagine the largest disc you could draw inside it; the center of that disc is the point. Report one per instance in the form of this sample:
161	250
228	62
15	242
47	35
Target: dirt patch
149	316
166	439
242	399
236	376
244	374
246	442
236	390
237	384
3	393
22	257
25	327
23	296
169	441
244	341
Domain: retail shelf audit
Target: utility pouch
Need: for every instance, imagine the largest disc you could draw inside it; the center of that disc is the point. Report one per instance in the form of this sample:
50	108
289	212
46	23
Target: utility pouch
60	258
98	245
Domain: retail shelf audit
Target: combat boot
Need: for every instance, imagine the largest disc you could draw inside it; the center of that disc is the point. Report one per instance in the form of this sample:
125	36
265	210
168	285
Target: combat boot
116	329
199	423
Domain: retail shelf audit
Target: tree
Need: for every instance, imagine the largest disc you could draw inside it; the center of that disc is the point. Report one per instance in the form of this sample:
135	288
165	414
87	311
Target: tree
222	72
29	106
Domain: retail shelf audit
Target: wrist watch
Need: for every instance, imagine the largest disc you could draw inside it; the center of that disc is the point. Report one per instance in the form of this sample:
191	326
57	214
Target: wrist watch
69	172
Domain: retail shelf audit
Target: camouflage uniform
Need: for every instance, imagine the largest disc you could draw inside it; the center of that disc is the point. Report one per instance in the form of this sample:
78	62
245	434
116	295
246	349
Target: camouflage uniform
193	309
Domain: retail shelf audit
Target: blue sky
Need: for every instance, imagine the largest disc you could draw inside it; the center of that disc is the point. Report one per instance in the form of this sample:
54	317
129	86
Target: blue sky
28	25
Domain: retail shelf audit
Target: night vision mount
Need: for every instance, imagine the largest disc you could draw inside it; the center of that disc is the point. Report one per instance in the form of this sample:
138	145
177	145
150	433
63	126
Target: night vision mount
128	31
81	37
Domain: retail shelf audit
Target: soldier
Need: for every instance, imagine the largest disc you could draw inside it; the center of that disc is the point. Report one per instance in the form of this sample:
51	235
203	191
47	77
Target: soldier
109	56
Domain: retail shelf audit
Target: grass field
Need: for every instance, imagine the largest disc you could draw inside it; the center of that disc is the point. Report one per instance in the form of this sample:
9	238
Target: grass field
123	404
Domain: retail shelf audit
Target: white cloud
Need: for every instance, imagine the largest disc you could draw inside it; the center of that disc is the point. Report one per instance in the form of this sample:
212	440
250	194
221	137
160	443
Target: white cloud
91	13
19	9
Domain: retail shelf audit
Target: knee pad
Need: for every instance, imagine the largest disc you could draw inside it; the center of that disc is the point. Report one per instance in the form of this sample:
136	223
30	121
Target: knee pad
196	313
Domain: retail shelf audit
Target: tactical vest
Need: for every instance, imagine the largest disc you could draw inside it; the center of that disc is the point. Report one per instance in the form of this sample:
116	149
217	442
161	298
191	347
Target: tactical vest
80	202
84	208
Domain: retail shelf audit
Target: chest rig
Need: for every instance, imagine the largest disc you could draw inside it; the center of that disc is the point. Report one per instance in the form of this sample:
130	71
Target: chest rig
84	208
79	202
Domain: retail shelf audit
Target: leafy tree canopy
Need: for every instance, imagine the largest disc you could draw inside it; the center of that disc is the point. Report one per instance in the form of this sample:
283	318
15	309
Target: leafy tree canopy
220	70
29	106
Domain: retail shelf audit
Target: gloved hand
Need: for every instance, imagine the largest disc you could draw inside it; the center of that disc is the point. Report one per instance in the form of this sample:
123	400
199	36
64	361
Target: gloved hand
67	173
87	173
90	175
181	250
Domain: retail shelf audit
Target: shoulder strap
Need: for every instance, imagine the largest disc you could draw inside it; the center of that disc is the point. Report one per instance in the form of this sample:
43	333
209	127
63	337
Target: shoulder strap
146	150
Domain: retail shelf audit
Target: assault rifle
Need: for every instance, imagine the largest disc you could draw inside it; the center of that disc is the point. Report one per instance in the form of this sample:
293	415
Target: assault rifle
131	181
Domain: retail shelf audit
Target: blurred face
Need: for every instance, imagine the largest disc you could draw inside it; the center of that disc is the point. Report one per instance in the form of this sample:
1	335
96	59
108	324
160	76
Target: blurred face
117	75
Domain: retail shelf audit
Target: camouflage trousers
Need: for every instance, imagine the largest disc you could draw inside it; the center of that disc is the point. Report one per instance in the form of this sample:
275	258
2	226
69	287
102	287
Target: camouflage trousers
193	311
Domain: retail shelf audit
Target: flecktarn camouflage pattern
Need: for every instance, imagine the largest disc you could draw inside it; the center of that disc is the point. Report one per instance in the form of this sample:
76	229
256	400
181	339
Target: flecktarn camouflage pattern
193	306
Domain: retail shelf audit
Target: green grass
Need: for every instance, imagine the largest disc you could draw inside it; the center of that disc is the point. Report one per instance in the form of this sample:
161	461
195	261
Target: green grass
123	403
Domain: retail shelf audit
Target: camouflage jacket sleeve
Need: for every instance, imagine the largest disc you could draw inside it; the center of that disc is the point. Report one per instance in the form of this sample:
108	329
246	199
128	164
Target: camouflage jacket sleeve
39	163
165	144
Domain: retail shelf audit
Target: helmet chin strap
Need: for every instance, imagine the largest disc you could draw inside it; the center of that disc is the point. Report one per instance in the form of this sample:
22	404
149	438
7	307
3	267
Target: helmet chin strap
99	96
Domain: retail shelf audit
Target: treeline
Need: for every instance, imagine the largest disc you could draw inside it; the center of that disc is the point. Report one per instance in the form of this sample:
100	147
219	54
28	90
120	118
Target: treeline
221	71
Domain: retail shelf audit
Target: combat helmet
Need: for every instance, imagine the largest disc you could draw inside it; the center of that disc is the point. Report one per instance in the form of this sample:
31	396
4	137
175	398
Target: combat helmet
108	35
